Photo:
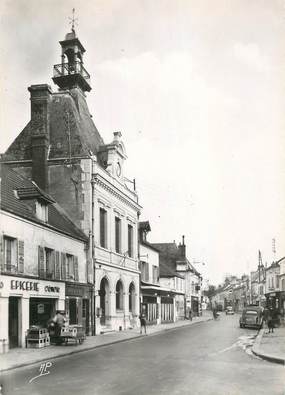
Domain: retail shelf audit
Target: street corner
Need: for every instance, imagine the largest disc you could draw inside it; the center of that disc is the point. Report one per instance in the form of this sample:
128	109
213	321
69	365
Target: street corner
267	347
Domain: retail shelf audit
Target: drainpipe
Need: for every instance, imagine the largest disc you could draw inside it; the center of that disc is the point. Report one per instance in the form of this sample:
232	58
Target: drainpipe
93	249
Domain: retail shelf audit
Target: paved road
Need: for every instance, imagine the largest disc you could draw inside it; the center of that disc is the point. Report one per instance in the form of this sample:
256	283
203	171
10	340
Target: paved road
206	358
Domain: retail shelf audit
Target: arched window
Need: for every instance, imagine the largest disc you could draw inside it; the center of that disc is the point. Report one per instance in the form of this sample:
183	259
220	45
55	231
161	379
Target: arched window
119	295
131	297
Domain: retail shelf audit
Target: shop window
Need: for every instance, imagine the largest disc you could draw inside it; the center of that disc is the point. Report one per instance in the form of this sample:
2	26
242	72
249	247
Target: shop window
73	316
130	240
117	235
119	296
103	228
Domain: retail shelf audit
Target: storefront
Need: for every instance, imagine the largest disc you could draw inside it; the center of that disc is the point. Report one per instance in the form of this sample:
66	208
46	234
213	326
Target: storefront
25	302
167	310
78	305
195	305
150	309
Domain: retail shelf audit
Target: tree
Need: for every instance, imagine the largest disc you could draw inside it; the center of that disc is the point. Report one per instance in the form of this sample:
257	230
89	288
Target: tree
211	291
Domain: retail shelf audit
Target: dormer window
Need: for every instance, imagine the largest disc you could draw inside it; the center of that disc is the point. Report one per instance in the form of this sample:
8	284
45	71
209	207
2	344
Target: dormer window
41	211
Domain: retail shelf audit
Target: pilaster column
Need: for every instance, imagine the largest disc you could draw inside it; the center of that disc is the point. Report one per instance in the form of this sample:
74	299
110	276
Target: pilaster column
4	332
24	321
158	309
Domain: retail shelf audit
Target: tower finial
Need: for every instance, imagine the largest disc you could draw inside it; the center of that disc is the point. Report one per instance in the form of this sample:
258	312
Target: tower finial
73	21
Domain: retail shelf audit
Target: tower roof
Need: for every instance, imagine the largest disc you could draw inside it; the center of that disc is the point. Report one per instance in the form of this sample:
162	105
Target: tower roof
69	121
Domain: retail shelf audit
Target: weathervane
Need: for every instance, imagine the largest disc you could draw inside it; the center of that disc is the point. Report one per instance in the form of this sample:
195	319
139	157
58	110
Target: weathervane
73	21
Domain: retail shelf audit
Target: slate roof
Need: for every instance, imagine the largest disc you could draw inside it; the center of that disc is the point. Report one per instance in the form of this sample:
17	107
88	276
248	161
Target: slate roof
69	116
166	271
169	254
10	201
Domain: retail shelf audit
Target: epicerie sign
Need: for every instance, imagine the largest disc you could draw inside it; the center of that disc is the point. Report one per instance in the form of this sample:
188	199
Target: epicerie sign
32	286
24	285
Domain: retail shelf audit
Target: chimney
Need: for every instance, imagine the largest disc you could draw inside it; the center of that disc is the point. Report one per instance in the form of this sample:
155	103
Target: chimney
40	145
182	248
40	124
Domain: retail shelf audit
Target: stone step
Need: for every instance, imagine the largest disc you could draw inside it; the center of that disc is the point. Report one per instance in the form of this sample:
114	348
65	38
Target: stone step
106	329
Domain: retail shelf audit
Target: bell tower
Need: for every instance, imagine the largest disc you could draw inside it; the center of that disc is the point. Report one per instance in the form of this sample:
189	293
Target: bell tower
70	73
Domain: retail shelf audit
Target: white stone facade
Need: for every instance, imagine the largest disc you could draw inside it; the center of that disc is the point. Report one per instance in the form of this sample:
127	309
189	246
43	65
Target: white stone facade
25	285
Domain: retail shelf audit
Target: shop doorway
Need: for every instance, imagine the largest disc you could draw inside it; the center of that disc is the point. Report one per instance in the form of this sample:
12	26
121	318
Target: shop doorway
104	300
85	315
41	311
13	322
73	312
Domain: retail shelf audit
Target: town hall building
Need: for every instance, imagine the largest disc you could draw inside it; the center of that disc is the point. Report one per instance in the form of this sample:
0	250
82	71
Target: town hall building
61	150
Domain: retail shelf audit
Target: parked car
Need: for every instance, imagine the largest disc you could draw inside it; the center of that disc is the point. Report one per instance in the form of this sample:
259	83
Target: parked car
252	317
229	310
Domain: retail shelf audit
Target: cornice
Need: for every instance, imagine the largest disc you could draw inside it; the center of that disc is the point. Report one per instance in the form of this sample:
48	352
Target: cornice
109	187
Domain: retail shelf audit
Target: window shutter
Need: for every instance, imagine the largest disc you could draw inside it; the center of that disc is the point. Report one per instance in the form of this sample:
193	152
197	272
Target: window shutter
63	266
57	266
52	266
146	272
41	260
1	252
21	256
76	277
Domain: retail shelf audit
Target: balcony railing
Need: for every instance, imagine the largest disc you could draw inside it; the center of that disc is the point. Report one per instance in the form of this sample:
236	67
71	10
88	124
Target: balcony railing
64	69
10	269
46	275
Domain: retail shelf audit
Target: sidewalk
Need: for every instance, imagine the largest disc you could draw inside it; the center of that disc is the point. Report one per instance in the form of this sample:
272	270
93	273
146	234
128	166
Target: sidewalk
20	357
270	346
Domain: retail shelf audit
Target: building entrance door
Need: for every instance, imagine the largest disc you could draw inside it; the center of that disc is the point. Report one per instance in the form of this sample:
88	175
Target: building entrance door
13	322
104	290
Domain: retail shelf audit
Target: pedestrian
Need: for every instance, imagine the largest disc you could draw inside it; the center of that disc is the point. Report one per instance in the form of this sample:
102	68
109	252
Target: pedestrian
59	321
143	322
270	322
190	314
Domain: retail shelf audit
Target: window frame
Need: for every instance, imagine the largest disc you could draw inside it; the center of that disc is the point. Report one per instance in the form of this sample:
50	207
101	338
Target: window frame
130	241
103	227
118	235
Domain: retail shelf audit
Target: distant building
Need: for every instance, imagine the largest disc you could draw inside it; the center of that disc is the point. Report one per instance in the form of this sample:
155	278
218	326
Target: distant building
173	258
157	300
272	290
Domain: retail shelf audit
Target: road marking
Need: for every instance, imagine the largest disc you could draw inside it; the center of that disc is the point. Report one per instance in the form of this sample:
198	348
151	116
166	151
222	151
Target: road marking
244	342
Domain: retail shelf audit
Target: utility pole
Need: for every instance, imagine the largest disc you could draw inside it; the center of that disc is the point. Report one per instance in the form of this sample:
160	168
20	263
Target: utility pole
274	249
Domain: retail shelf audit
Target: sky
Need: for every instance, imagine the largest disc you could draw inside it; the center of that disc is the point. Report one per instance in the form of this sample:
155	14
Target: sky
197	90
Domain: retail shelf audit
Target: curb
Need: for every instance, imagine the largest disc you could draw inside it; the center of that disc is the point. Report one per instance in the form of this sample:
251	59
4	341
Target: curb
24	364
256	349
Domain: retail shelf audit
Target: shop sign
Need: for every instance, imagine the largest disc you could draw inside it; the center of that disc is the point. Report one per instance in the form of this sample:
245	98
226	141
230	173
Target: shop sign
75	290
24	285
50	288
31	287
272	294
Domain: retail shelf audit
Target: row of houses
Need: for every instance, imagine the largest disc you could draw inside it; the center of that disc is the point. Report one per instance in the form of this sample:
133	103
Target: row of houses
70	230
264	287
